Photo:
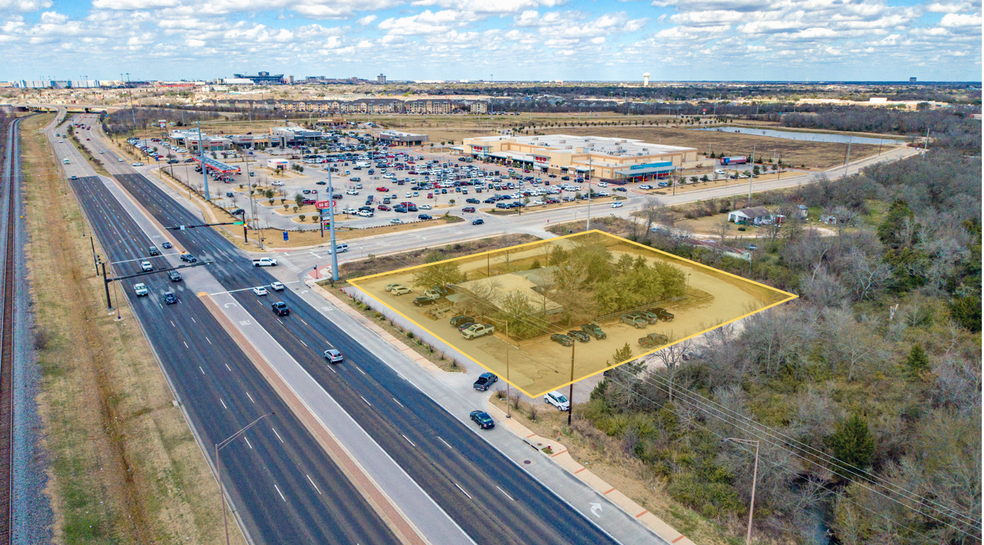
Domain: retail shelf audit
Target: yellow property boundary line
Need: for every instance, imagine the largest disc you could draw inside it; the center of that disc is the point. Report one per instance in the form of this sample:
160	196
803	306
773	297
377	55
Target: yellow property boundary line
594	232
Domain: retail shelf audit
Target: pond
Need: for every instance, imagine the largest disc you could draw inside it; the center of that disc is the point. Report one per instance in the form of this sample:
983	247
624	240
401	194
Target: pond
808	136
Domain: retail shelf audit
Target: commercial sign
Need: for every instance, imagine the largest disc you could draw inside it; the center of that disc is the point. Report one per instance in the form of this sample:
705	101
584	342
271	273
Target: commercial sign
539	160
651	165
162	123
324	205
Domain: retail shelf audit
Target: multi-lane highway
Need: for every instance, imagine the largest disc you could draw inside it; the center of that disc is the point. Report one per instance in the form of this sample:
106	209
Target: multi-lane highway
284	486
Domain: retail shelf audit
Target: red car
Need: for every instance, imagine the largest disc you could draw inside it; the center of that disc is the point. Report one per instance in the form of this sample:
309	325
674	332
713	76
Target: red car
383	207
468	209
383	189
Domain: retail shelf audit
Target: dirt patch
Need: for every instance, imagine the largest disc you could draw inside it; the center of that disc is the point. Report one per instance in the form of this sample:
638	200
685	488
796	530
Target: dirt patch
386	263
605	457
125	467
614	225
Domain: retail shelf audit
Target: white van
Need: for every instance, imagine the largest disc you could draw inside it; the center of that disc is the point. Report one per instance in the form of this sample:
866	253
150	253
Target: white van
340	248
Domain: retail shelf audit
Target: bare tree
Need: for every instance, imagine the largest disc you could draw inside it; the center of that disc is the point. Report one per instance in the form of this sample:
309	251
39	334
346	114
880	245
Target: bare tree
721	228
864	274
668	361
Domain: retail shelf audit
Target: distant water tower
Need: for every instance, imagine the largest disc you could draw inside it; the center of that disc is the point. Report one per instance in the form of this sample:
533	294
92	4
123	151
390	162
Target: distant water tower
645	79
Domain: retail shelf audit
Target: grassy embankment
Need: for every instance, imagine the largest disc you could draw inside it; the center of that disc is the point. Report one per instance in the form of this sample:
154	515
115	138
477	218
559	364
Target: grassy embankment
124	467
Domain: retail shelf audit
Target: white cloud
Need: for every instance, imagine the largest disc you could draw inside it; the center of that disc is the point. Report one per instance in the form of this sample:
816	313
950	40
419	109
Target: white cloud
954	20
23	6
129	5
368	19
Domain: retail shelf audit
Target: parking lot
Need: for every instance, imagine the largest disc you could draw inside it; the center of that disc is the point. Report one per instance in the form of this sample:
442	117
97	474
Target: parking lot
381	186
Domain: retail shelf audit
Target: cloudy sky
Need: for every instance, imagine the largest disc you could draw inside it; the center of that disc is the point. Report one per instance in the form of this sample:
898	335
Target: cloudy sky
500	39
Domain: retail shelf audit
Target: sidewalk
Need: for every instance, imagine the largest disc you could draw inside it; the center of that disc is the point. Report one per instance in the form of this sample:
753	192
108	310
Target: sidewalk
560	456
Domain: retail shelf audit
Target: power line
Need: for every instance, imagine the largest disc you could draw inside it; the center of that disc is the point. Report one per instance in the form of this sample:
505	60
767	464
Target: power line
713	409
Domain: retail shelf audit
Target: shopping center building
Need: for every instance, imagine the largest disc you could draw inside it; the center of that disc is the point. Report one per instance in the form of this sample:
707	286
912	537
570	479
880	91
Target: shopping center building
619	160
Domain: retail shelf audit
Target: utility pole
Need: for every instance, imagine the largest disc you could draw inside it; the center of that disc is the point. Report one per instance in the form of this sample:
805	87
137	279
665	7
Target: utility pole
751	507
570	395
129	93
848	156
201	156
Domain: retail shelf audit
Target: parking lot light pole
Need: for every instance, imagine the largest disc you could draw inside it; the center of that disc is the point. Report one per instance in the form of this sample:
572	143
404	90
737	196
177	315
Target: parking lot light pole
218	469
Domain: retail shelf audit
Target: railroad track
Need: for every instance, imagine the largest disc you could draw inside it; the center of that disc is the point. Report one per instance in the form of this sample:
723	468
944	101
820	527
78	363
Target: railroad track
6	347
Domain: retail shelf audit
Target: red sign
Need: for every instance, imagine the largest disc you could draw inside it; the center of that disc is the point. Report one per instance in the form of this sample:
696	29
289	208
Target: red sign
541	160
323	204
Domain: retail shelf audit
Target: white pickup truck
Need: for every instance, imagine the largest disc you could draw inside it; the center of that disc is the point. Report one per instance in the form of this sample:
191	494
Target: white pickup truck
265	262
477	330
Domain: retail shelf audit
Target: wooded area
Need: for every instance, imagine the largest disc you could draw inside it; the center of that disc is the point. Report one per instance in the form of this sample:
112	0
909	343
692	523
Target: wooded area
865	394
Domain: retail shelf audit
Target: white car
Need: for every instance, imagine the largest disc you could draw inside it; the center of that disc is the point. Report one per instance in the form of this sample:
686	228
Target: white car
558	400
146	266
351	192
645	186
137	164
333	355
602	184
260	290
120	159
276	182
277	286
424	207
140	289
396	221
719	172
536	203
616	205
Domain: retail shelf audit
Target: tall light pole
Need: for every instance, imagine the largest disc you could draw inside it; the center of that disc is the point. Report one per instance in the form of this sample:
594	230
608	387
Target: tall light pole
331	225
751	507
201	156
587	227
218	469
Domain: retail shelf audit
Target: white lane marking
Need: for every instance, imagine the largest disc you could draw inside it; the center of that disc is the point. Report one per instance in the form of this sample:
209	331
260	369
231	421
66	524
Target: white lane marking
312	483
408	440
302	342
367	401
209	342
303	322
504	493
244	322
445	442
462	490
281	494
278	435
247	442
360	369
227	367
398	403
193	319
223	403
332	369
314	254
250	397
200	369
185	343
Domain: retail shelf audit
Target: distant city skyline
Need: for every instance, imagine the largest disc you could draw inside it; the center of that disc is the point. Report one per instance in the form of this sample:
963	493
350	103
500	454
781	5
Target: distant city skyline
515	40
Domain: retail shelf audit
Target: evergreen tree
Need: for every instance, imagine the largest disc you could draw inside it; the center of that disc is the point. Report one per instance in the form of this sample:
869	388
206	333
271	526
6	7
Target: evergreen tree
852	443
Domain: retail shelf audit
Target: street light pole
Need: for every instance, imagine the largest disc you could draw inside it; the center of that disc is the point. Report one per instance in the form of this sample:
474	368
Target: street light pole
201	155
331	225
751	506
570	395
218	469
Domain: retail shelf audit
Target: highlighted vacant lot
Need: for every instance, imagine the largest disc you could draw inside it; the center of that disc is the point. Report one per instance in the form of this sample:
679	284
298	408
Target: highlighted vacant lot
548	313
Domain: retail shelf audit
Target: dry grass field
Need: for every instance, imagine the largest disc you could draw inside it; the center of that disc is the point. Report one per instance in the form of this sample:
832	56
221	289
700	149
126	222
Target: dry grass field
125	467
